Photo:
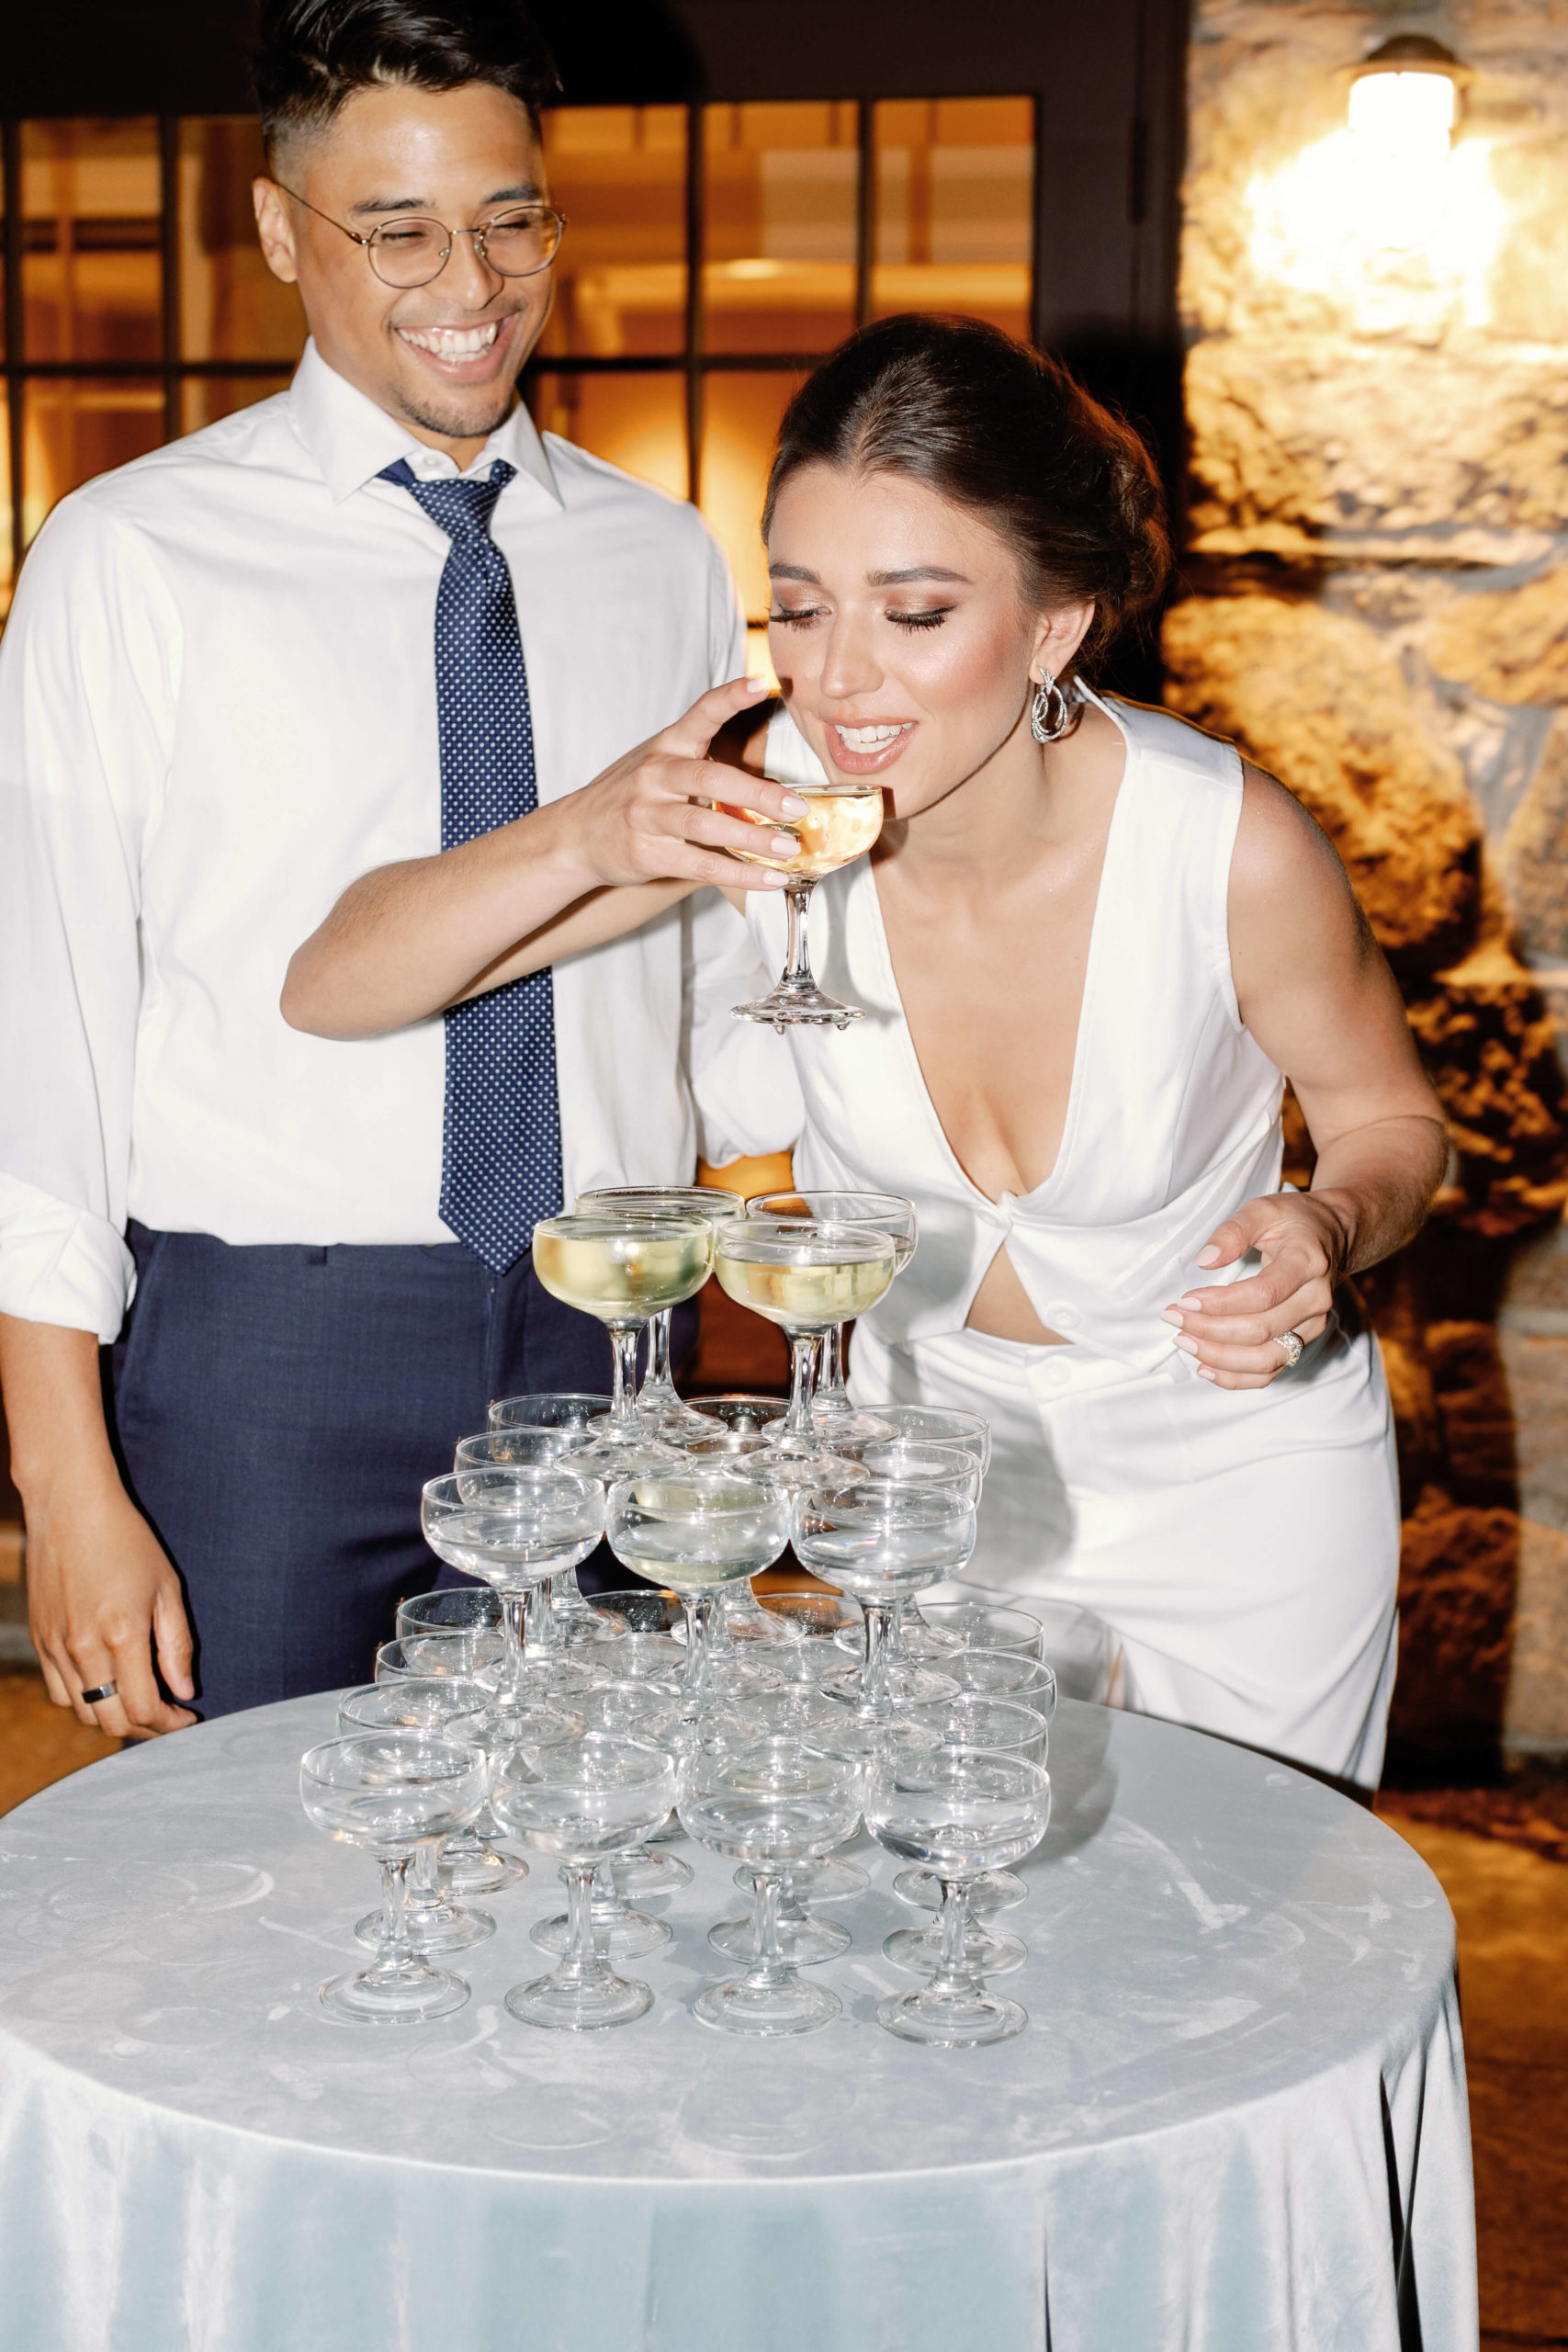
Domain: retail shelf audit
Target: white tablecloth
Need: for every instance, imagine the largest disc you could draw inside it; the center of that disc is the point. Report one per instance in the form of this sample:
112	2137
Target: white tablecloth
1236	2121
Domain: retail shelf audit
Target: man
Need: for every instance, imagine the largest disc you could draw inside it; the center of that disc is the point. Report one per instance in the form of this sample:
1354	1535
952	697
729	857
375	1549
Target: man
365	621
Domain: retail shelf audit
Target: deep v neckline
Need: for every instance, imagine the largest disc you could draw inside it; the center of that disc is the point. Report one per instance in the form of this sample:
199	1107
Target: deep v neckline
1040	1198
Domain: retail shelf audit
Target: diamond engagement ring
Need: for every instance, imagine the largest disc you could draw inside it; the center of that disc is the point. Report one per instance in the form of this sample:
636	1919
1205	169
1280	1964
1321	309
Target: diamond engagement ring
1292	1343
101	1691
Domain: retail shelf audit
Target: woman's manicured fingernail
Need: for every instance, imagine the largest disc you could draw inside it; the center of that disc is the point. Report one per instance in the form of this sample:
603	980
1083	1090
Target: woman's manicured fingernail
1207	1371
793	805
1193	1302
1208	1256
784	846
1188	1347
758	686
1172	1315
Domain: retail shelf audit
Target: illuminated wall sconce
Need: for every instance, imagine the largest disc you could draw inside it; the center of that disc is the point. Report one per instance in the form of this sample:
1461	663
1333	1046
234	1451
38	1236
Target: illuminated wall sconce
1404	103
1406	94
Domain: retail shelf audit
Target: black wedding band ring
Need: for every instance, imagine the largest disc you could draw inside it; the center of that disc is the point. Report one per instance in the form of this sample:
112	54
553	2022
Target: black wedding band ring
100	1690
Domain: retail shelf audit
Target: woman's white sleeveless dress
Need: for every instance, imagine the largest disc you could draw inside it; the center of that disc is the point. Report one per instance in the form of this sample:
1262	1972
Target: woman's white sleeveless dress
1243	1544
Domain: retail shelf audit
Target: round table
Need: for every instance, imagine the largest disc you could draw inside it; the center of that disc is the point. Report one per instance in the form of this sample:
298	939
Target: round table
1236	2119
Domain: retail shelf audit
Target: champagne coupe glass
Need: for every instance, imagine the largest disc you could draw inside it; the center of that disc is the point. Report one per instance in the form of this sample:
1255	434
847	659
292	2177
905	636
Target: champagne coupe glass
624	1270
435	1922
887	1213
451	1610
1000	1725
658	1400
455	1632
697	1528
799	1712
556	1610
585	1801
574	1416
442	1649
963	1811
943	1626
1004	1674
899	1428
804	1276
770	1805
647	1712
392	1792
883	1538
841	823
512	1528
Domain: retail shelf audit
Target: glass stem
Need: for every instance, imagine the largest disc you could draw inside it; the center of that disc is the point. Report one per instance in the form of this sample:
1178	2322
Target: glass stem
544	1631
513	1611
424	1892
804	1350
396	1950
769	1967
695	1683
797	974
876	1698
623	1404
954	1973
831	1388
658	1386
580	1961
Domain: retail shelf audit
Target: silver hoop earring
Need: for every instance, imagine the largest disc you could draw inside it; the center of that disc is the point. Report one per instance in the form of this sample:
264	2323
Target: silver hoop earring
1051	712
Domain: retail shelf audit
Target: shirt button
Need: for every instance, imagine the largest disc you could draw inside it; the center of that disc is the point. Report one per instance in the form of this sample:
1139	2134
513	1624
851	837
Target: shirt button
1055	1374
1062	1315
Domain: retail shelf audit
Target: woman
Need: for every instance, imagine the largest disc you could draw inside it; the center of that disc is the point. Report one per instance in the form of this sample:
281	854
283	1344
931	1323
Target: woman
1089	944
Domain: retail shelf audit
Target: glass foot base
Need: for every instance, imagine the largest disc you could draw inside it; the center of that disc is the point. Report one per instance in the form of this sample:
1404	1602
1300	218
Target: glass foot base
765	2011
783	1007
829	1881
920	1949
633	1934
449	1928
950	2021
485	1872
992	1891
567	2006
907	1685
803	1943
642	1876
408	1993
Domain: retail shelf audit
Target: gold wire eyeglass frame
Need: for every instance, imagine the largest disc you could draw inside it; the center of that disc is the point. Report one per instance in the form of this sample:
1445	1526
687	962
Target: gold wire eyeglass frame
551	224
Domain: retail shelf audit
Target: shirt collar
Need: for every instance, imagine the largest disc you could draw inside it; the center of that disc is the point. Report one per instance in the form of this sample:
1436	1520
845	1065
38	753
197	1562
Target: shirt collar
351	440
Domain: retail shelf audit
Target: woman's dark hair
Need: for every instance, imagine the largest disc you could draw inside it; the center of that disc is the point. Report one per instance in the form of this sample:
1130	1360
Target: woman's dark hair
314	54
1003	431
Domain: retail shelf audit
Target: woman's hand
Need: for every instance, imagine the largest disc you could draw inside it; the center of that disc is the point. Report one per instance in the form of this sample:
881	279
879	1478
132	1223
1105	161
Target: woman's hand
642	820
1232	1332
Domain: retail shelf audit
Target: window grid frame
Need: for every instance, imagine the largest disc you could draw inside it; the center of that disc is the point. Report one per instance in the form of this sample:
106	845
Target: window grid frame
694	362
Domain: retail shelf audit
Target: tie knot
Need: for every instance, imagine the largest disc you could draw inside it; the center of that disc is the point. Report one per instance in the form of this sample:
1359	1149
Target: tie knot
462	505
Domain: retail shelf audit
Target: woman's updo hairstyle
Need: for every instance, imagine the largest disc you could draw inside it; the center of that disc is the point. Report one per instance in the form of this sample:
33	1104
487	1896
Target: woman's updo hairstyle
1005	432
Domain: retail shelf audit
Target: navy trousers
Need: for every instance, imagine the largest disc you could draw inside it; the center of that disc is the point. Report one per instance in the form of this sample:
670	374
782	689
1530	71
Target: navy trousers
278	1410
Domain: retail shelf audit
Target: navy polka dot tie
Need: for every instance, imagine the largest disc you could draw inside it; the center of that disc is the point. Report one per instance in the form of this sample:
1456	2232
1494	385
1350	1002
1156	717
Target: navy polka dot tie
501	1168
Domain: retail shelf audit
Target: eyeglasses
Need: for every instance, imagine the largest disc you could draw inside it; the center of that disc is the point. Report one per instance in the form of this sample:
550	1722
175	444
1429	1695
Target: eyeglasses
409	253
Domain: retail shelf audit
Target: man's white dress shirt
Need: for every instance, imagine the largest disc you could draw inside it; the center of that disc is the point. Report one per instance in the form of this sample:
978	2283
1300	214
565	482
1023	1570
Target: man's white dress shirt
217	708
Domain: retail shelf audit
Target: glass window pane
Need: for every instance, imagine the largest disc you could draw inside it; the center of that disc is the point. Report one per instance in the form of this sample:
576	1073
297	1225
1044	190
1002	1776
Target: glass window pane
73	429
779	249
232	307
92	278
740	424
619	175
955	209
637	422
204	399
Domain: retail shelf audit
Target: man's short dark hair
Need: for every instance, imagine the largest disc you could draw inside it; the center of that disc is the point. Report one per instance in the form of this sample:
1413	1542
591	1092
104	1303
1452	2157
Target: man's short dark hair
314	54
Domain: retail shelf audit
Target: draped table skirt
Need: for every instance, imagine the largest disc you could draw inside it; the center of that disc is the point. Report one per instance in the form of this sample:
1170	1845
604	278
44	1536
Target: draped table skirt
1237	2120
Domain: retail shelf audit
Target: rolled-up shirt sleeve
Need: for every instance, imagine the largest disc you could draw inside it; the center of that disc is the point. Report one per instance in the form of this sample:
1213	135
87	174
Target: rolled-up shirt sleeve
88	676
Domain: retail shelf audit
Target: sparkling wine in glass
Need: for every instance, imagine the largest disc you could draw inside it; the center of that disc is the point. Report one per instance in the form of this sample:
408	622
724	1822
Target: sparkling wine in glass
804	1276
841	823
698	1529
658	1400
887	1213
623	1269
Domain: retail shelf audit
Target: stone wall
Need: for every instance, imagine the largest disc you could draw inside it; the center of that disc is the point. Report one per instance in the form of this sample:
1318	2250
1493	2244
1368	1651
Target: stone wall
1376	606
